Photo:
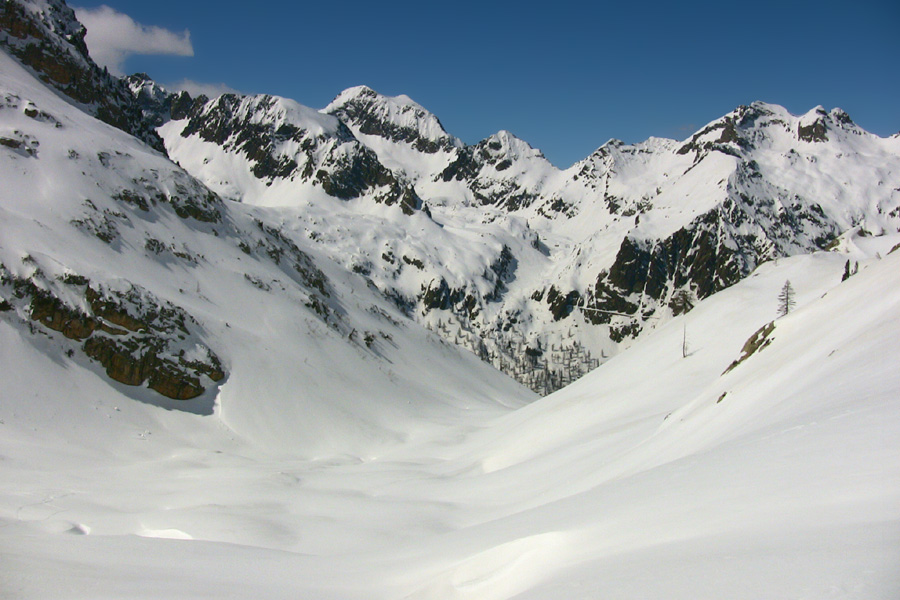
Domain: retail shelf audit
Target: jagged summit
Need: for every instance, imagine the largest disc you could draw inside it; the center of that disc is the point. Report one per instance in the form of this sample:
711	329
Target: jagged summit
395	118
617	234
120	266
763	123
246	146
141	84
511	147
360	93
46	38
283	114
817	124
616	146
497	249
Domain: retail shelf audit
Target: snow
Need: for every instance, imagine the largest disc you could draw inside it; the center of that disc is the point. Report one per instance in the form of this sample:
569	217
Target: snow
271	394
632	483
323	467
570	225
399	110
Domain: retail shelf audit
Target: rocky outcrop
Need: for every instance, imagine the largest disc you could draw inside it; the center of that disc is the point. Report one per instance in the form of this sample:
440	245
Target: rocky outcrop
157	104
725	134
644	275
756	342
47	38
282	141
690	217
492	171
399	120
814	129
137	338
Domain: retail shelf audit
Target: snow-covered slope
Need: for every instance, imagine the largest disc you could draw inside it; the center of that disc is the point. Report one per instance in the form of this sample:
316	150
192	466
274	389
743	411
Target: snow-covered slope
657	475
115	259
272	151
569	264
395	120
209	398
45	36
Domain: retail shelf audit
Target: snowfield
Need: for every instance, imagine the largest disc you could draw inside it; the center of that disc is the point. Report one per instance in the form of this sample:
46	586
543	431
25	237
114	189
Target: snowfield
336	445
655	476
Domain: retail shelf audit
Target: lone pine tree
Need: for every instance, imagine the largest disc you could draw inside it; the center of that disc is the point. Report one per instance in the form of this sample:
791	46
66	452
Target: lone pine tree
786	299
682	301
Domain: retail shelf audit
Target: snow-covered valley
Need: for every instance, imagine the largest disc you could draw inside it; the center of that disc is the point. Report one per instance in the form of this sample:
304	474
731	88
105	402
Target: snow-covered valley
253	367
655	476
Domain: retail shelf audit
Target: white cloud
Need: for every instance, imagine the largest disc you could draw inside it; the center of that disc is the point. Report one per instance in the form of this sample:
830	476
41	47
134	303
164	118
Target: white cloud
196	88
113	36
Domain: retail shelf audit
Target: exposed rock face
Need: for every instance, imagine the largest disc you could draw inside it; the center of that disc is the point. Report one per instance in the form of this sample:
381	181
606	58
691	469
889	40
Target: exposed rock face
725	134
395	119
155	102
492	169
45	36
815	129
136	337
272	243
692	217
146	192
756	342
653	219
645	274
282	140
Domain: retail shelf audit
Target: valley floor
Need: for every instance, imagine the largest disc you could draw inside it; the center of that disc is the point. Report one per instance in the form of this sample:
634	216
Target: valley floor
656	476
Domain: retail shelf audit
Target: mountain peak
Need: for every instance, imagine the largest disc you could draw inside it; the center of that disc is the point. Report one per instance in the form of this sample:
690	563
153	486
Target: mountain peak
277	111
840	115
46	37
141	85
352	93
398	119
816	124
740	129
615	147
510	146
364	92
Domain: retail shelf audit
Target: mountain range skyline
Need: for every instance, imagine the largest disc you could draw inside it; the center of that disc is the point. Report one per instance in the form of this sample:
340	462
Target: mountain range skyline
565	80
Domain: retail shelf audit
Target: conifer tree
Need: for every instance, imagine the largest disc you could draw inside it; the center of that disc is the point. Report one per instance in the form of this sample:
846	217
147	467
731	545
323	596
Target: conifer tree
682	302
786	299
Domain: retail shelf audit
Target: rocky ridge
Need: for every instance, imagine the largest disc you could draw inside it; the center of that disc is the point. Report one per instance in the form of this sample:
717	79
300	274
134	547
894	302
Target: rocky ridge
542	272
398	119
279	140
94	220
46	37
617	236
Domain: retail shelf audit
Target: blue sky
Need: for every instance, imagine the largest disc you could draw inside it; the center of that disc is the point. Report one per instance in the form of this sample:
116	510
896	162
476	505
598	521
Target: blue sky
565	76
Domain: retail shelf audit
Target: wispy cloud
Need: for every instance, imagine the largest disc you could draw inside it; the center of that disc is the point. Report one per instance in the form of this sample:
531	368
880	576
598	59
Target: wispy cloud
113	36
196	88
